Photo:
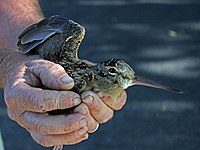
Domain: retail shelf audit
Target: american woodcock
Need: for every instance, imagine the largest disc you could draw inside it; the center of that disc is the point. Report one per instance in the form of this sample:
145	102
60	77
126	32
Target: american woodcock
57	39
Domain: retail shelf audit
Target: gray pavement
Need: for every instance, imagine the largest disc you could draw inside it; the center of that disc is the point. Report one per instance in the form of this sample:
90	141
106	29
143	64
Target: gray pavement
160	40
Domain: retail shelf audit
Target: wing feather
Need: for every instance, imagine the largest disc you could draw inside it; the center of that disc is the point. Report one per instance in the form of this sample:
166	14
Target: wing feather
38	35
56	36
28	47
39	32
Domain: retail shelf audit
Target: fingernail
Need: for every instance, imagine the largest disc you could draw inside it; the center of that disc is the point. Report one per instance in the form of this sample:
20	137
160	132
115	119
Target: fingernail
82	122
66	79
97	126
88	99
76	101
82	131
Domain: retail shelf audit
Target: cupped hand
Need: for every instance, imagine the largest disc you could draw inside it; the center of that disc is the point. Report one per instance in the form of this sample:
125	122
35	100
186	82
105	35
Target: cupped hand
28	105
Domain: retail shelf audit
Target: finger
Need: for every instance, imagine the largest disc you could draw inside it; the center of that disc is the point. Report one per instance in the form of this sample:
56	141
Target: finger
38	100
45	124
98	109
115	104
92	123
61	139
52	75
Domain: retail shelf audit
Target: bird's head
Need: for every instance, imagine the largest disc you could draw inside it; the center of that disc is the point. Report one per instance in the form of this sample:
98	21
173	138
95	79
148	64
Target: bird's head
118	72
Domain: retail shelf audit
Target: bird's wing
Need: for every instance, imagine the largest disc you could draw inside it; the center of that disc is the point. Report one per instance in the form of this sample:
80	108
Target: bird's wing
39	32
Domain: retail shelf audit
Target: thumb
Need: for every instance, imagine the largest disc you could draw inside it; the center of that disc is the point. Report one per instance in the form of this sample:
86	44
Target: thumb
52	75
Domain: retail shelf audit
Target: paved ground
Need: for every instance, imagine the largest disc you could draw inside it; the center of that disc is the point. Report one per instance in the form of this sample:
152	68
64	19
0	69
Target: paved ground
160	40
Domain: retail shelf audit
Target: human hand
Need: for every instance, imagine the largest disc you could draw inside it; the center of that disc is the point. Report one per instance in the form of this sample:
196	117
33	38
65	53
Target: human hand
28	105
98	108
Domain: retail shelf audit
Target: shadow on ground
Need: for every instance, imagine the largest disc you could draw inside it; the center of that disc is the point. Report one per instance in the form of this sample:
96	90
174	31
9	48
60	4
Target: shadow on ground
160	40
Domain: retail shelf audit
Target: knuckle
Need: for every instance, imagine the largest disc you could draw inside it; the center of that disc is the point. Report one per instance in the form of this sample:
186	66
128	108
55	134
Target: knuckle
41	106
56	68
22	118
37	100
53	72
49	101
58	100
41	128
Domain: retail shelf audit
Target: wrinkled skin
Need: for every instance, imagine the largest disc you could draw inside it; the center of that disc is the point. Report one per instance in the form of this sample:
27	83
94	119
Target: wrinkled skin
28	104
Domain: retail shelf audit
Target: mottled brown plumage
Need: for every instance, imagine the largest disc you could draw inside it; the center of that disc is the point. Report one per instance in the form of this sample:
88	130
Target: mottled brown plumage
58	39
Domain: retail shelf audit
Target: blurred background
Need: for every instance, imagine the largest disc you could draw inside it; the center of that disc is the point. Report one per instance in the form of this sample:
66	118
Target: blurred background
160	39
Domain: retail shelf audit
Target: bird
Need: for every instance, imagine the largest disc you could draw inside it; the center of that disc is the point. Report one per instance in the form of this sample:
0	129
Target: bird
58	39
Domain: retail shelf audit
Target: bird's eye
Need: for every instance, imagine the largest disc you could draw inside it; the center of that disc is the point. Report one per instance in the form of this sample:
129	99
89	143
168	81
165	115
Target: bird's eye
112	71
